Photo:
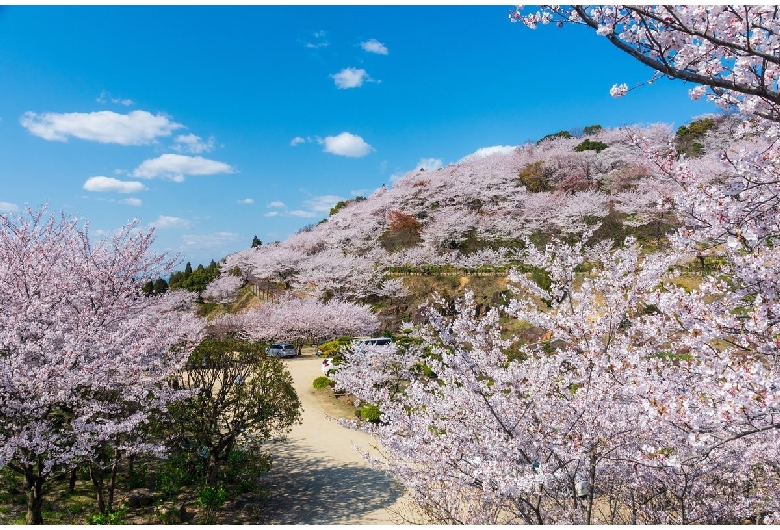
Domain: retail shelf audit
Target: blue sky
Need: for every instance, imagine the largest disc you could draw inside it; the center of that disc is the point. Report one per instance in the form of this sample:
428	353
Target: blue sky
215	124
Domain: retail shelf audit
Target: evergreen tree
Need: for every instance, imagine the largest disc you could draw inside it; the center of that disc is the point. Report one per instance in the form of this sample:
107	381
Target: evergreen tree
160	286
256	242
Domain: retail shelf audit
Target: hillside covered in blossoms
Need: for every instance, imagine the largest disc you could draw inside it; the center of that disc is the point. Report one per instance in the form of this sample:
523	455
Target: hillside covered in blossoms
478	212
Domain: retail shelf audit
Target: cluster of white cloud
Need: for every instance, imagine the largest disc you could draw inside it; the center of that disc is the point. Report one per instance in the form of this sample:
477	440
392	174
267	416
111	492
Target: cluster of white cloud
374	46
487	151
246	201
343	144
320	42
101	183
314	207
8	207
167	221
136	128
175	167
346	144
351	78
106	97
194	144
209	241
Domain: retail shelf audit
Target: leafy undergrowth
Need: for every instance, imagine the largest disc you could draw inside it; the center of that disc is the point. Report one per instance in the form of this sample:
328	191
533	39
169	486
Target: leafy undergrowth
156	492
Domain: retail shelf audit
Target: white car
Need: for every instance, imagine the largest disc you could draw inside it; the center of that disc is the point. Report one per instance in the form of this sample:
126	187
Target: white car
328	367
327	364
281	350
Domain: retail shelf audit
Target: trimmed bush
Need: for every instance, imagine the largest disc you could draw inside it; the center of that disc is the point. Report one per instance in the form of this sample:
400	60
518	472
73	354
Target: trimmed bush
323	382
370	413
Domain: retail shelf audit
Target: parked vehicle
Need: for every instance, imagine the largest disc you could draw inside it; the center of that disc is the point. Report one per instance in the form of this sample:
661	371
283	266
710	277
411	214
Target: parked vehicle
375	341
358	344
328	367
281	349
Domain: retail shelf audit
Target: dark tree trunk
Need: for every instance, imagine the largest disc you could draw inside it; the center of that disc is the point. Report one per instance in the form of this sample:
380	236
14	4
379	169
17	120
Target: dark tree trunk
112	480
213	470
33	483
74	473
96	474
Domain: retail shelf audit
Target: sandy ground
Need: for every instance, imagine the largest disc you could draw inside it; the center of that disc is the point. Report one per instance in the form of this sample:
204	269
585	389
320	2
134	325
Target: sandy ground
317	478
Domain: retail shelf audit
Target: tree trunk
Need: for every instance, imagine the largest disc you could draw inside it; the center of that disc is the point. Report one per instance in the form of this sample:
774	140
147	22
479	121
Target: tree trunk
96	474
213	470
112	480
33	483
74	473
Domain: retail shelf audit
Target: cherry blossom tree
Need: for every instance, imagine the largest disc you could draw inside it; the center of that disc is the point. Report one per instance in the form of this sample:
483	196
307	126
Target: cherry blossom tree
301	321
645	402
223	289
83	353
729	51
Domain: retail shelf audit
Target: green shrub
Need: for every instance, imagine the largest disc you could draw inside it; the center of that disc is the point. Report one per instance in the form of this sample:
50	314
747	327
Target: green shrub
136	478
554	136
688	136
323	382
591	129
211	499
118	516
333	347
370	413
589	145
243	468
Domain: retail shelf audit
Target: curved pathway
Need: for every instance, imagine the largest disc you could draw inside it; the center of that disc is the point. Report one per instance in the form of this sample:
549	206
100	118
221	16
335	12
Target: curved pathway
316	477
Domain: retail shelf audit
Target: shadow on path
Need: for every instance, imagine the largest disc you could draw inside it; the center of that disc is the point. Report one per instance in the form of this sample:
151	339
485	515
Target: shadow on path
306	486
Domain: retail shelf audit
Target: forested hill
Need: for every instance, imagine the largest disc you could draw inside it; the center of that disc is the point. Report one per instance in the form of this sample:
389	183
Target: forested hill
478	211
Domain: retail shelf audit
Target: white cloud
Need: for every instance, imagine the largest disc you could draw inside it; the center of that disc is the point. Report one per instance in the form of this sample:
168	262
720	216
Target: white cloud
209	241
165	221
374	46
301	213
487	151
351	78
428	164
105	97
276	204
319	36
246	201
322	203
8	207
100	183
174	167
271	214
346	144
132	201
297	140
192	143
361	192
136	128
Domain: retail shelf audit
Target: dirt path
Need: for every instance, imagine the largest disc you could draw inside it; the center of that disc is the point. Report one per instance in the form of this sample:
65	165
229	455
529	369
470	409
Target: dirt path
317	478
